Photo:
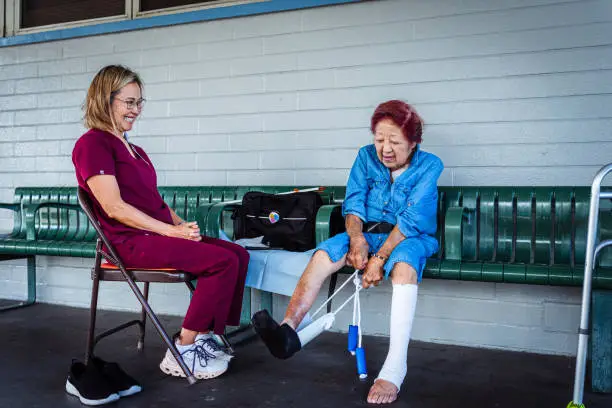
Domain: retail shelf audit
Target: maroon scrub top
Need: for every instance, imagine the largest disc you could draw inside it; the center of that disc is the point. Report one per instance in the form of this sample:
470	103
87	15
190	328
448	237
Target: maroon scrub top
99	152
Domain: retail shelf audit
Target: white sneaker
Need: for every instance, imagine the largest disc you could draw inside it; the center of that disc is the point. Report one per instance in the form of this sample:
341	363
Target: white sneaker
202	363
208	342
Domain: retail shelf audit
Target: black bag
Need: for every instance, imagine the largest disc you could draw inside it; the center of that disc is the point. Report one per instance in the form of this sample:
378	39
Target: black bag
286	221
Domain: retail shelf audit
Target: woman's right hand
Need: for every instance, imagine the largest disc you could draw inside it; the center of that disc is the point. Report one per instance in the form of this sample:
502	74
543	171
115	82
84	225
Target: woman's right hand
357	256
187	230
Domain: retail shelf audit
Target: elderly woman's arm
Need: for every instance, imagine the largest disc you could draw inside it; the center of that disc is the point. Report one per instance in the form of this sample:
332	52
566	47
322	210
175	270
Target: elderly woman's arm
106	191
357	255
353	209
394	238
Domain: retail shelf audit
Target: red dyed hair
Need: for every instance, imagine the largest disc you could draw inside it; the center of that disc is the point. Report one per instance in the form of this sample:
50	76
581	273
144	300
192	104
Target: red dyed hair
403	115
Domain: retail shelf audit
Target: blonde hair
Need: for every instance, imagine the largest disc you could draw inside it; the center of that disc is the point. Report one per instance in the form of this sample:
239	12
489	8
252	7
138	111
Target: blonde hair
105	85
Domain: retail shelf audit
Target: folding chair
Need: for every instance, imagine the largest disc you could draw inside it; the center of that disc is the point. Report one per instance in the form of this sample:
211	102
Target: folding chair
116	271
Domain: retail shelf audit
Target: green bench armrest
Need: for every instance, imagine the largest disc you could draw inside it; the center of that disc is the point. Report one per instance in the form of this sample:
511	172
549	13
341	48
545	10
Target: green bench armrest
323	222
16	207
453	233
30	211
201	213
211	214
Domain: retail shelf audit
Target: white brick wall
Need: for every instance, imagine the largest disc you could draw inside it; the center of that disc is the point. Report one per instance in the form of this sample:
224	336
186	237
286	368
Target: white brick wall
512	92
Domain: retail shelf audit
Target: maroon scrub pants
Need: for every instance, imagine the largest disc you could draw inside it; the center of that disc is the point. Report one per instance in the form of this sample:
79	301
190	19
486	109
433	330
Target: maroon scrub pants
220	267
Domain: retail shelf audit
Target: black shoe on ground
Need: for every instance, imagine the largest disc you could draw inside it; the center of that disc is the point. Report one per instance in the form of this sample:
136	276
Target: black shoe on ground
89	385
282	341
122	382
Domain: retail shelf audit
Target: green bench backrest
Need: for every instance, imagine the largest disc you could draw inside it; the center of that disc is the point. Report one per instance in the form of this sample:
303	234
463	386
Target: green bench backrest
531	225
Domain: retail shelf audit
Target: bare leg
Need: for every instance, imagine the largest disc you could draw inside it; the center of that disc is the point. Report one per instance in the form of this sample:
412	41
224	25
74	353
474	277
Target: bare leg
188	336
307	289
384	391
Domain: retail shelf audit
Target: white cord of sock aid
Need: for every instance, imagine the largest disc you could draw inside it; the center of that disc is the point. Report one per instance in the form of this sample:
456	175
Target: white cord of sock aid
355	312
358	322
403	307
346	301
357	309
336	292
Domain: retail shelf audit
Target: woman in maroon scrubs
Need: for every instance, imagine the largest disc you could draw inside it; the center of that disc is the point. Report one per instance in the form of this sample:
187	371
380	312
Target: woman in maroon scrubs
146	233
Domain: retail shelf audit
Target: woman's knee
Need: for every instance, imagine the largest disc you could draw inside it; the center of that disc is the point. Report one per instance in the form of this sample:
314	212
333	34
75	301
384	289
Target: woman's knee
243	256
321	263
227	259
403	273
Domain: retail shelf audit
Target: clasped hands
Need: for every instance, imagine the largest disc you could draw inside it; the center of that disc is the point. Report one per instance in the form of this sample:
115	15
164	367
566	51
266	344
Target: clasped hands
188	230
372	268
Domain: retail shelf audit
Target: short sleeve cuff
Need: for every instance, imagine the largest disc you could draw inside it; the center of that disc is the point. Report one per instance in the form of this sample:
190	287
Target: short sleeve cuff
355	213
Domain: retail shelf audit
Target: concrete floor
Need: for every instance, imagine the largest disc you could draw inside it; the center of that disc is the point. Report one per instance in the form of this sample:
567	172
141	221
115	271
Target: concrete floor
38	343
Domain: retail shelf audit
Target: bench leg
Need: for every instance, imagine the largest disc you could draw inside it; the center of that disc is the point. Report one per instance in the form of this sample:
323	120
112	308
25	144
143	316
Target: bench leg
267	301
333	280
601	341
243	332
245	316
31	282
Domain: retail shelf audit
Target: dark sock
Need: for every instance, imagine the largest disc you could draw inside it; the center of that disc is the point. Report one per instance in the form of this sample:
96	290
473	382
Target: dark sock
282	341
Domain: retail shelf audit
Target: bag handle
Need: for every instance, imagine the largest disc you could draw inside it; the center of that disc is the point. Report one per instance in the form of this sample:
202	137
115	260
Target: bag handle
295	190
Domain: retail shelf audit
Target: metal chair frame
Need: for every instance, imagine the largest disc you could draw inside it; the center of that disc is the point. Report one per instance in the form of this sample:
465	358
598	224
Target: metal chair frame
130	276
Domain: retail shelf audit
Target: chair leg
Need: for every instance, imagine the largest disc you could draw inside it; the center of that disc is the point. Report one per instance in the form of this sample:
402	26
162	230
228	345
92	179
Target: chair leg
190	286
92	318
227	344
332	288
158	326
143	318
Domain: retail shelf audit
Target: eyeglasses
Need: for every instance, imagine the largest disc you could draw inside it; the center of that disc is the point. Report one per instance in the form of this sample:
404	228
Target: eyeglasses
133	103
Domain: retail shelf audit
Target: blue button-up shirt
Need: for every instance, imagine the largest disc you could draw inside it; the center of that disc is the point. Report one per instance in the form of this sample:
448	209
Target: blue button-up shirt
410	201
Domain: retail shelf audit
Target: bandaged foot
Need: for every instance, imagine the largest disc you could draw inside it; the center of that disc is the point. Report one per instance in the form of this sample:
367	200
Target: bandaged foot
281	340
382	392
393	372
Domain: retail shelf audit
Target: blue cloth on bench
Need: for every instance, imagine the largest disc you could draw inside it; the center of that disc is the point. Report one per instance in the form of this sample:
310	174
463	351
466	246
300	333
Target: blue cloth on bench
275	270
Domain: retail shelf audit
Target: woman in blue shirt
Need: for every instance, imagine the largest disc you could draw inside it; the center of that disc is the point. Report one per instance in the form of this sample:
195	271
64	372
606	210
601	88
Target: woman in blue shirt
390	215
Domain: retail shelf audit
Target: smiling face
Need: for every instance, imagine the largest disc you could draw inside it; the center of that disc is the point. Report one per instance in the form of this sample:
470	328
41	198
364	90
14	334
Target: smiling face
392	147
124	108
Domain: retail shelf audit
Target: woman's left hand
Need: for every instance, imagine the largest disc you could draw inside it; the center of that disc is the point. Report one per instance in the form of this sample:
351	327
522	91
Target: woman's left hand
373	273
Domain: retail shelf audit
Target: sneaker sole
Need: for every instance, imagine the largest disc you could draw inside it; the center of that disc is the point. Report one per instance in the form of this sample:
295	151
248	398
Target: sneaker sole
71	389
134	389
176	371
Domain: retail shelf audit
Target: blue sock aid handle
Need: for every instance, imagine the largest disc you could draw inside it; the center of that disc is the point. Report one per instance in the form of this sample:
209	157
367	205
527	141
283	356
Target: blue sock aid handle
361	363
353	334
